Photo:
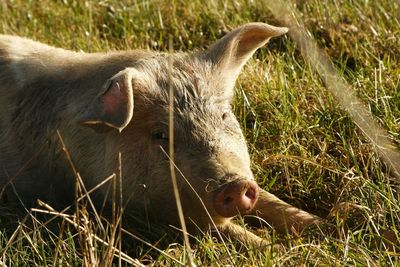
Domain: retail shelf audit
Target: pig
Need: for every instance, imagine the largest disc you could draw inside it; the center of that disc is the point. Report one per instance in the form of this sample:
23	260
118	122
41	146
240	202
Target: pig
104	104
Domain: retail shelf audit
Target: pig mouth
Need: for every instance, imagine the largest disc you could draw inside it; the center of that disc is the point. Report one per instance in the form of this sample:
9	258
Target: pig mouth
235	198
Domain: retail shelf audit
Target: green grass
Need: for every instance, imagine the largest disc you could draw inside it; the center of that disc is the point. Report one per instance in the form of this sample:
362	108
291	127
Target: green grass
305	148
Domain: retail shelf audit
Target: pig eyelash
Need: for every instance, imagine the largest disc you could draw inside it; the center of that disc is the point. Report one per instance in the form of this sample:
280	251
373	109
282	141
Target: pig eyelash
160	136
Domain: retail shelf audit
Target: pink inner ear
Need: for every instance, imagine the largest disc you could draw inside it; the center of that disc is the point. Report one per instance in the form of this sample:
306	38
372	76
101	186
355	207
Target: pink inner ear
113	98
110	103
250	42
114	105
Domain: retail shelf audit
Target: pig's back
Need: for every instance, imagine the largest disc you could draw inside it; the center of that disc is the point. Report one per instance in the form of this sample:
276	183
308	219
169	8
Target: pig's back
22	61
41	87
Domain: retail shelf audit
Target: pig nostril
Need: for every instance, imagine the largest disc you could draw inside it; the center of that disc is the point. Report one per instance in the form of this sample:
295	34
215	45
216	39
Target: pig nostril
251	193
236	197
228	200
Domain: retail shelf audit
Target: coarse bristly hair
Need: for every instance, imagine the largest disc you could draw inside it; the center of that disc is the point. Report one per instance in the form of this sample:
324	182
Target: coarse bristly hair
104	104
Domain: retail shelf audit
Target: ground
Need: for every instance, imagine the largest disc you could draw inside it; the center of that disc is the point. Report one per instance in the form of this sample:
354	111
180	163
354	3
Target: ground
304	144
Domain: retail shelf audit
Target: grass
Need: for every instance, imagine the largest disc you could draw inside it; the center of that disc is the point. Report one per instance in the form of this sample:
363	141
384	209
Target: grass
305	148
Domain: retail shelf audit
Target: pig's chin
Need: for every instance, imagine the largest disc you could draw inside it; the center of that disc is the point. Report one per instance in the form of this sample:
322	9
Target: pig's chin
236	198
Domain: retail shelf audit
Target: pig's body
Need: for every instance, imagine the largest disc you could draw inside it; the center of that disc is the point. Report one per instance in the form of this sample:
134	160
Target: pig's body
44	89
124	97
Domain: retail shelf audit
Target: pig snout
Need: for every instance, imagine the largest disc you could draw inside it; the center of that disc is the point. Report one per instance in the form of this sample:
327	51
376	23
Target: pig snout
237	197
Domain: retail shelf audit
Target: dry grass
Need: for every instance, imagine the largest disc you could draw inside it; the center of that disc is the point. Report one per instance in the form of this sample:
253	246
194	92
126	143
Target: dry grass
305	146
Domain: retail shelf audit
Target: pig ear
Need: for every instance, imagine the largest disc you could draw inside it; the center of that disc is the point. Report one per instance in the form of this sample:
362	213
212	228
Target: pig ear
113	106
230	53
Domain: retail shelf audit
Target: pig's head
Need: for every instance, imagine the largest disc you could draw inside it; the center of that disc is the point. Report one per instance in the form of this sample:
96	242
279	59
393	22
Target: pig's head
210	152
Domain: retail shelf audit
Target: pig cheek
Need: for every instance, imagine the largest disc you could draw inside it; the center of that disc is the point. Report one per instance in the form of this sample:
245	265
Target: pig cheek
196	197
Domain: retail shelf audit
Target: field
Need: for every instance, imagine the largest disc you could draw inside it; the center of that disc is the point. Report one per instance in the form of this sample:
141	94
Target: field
309	145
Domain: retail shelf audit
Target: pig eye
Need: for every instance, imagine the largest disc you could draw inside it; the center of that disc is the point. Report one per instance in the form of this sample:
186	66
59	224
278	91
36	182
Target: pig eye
225	115
161	136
